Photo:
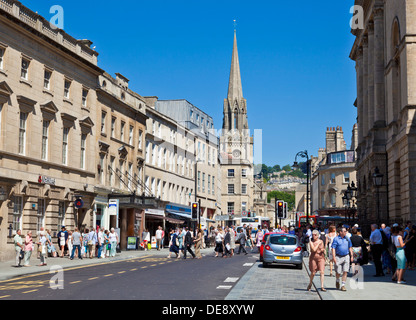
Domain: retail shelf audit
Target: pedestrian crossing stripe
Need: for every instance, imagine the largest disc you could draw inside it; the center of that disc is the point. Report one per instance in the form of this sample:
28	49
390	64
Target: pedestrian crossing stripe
224	287
230	279
248	264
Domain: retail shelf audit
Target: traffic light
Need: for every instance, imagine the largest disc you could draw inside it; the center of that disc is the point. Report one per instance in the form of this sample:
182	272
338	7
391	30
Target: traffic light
280	209
285	210
195	210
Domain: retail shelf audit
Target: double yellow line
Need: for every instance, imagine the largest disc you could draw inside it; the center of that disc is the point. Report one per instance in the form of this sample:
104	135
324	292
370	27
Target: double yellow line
70	269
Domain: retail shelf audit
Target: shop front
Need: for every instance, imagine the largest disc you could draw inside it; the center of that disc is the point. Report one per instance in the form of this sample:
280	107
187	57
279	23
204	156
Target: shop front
132	216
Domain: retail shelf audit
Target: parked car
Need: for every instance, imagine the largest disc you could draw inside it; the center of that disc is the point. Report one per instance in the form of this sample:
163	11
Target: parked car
282	249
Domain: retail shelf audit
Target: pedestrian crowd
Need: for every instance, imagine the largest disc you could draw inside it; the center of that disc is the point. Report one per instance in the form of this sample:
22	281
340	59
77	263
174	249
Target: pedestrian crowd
392	250
224	240
92	243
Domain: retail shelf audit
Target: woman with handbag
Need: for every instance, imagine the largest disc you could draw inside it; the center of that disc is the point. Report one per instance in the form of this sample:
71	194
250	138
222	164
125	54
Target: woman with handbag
358	246
218	242
28	248
146	238
173	244
42	249
397	239
113	237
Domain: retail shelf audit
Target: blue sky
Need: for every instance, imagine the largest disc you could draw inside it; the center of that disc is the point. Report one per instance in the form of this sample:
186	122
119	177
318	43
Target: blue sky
294	57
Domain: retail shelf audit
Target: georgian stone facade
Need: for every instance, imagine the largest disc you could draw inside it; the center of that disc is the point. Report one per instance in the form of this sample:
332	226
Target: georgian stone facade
332	172
386	65
48	119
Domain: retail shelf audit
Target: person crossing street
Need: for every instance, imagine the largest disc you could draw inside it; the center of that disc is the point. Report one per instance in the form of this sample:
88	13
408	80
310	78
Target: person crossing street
188	242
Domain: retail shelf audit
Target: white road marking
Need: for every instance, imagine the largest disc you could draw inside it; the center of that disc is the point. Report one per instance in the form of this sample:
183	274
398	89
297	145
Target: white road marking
229	279
224	287
248	264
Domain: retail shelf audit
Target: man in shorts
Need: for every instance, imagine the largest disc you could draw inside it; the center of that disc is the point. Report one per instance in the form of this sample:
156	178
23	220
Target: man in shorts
342	256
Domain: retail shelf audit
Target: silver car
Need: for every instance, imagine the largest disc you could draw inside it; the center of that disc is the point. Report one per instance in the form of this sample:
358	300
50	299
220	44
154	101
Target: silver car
282	249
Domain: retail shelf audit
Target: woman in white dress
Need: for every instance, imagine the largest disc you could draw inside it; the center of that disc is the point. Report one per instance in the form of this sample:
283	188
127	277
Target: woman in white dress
329	238
113	237
219	237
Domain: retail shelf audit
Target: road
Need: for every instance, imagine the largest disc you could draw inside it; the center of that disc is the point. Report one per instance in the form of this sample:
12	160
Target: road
147	278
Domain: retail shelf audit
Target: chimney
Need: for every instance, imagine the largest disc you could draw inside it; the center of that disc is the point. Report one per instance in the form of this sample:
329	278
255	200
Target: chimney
122	81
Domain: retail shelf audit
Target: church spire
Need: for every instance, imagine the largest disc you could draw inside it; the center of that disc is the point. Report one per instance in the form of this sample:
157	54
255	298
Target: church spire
235	90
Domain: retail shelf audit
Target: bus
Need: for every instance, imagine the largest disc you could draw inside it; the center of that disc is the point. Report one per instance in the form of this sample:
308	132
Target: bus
324	221
255	222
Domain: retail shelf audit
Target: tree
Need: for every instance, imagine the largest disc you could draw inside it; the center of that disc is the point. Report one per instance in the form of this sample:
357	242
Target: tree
276	168
287	168
288	197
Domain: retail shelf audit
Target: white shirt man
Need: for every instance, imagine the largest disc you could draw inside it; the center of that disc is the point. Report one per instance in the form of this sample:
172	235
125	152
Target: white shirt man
159	233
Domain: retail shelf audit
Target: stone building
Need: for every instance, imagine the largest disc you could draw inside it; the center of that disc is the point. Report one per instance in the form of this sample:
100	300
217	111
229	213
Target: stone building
236	148
47	110
169	166
119	158
385	59
207	174
332	172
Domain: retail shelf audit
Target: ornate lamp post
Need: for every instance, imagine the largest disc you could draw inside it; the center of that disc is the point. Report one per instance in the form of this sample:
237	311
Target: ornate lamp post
378	181
348	199
304	154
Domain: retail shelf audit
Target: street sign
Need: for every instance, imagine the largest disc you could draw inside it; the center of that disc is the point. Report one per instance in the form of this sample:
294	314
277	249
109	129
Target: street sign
244	214
113	207
79	203
131	243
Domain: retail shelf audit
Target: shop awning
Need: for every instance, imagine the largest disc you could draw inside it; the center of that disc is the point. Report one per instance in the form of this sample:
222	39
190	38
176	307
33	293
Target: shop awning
155	212
179	213
168	219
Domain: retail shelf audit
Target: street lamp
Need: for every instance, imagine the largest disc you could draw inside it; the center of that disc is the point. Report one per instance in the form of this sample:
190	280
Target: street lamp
304	154
354	190
378	181
345	201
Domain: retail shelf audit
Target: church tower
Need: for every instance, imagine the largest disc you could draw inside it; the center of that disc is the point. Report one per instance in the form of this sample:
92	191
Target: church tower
236	149
235	110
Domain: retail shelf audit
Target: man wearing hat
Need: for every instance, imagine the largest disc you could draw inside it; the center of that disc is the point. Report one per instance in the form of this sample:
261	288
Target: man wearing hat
63	240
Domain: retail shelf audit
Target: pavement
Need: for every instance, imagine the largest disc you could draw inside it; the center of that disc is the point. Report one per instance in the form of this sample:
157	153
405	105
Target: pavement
365	286
279	283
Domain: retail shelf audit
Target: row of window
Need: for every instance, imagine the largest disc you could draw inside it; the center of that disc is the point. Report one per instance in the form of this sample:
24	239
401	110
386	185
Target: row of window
45	140
121	176
122	128
168	160
168	191
231	173
231	189
332	179
211	186
197	117
18	206
47	77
